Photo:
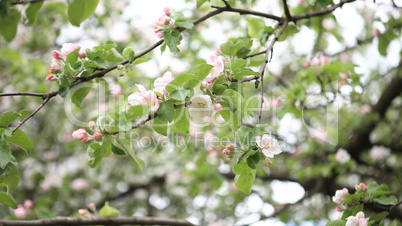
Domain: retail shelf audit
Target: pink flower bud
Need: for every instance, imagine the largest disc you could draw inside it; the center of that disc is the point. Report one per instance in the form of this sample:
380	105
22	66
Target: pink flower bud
338	208
50	77
159	34
122	74
269	163
82	54
97	136
56	64
230	146
156	29
224	152
82	211
28	204
204	84
91	205
84	140
376	32
162	20
166	10
218	107
56	54
67	48
52	70
218	51
343	76
306	64
79	134
345	191
315	62
91	125
276	102
20	212
324	60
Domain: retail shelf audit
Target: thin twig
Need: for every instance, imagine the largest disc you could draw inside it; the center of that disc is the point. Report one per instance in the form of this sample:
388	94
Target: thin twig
23	94
320	12
32	114
26	2
98	221
396	205
264	64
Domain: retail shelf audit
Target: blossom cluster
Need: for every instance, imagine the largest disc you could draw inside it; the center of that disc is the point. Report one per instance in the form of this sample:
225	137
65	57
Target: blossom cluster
316	62
162	21
23	210
59	58
358	220
81	134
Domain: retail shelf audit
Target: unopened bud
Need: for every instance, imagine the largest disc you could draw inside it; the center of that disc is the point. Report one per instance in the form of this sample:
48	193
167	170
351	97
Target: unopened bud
269	163
82	54
91	125
122	74
50	77
97	136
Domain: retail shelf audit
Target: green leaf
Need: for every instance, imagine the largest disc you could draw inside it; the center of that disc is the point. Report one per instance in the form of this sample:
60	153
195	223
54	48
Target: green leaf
9	24
181	121
171	38
201	71
23	114
124	124
243	43
79	10
31	11
108	211
128	54
8	117
336	223
200	3
8	200
159	126
228	48
142	59
384	200
5	154
125	144
116	150
218	89
11	176
114	56
166	111
78	93
289	31
72	57
245	135
22	140
255	25
178	81
184	23
180	95
231	117
242	52
244	177
372	186
379	216
253	160
233	99
238	63
95	155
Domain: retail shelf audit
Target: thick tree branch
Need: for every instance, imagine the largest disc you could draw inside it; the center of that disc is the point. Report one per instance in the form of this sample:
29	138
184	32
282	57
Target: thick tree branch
26	2
98	221
286	9
249	12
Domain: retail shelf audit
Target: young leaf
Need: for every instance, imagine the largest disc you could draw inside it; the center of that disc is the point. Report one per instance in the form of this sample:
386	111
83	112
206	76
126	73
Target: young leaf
11	175
384	200
21	139
159	126
31	11
228	48
244	177
172	39
181	121
166	111
79	10
108	211
125	144
8	200
178	81
116	150
379	216
95	155
336	223
180	95
128	54
9	24
184	23
142	59
78	93
255	25
5	154
8	117
201	71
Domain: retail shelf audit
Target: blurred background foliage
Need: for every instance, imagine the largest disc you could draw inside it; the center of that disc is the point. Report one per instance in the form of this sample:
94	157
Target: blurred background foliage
195	182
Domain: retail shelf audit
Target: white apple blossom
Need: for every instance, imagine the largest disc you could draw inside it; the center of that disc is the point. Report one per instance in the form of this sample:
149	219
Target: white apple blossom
342	156
200	107
144	97
270	146
67	48
358	220
160	83
338	197
219	63
379	153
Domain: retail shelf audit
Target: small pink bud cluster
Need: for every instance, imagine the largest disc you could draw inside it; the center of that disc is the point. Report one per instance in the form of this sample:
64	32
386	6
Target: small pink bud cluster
338	197
360	187
228	151
23	210
86	214
161	21
81	134
218	107
316	61
58	58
